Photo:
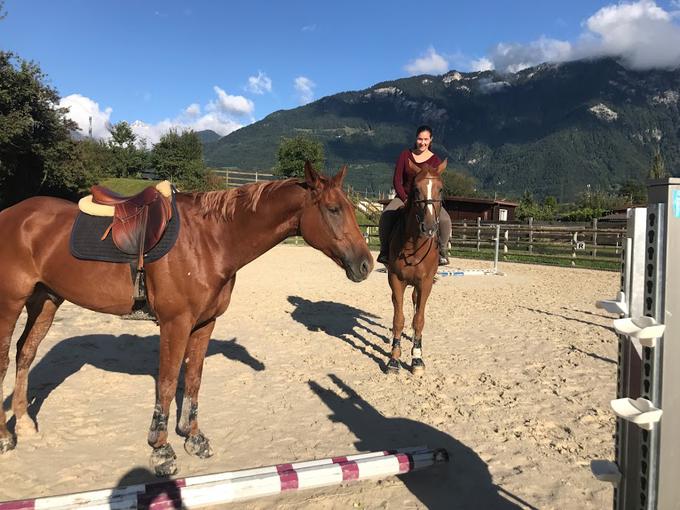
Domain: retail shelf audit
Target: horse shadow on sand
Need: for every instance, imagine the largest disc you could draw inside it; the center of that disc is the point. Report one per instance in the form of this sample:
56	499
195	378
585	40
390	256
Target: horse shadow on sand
462	483
345	323
126	354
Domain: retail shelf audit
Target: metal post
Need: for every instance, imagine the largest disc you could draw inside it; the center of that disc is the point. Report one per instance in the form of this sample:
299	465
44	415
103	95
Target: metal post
495	253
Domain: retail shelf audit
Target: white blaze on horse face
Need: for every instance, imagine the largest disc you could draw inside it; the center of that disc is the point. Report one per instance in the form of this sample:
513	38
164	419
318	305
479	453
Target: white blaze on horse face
430	207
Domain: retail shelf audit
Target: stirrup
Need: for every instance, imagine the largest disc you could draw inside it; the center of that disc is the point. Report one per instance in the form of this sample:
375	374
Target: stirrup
443	259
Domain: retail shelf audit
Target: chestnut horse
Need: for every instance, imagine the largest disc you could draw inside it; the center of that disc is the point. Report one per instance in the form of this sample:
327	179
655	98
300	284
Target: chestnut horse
414	257
221	231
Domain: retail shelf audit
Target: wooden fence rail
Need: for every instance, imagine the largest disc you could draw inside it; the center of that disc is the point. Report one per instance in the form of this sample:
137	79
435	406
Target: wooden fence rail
570	244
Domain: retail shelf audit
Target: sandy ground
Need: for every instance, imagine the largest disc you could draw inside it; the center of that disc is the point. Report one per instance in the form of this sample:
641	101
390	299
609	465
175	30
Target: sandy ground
520	370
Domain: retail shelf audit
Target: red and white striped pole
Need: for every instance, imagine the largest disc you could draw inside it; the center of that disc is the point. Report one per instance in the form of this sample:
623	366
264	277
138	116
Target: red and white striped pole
233	486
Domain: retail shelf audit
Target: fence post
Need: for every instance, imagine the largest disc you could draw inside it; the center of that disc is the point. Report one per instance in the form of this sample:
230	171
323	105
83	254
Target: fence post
531	234
495	252
594	251
256	175
574	240
479	232
506	239
226	178
464	230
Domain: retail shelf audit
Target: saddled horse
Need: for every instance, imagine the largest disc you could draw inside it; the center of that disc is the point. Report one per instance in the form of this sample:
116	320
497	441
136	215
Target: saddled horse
414	257
187	289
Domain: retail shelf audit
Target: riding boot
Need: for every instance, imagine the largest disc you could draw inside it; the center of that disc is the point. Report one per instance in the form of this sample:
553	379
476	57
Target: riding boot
443	256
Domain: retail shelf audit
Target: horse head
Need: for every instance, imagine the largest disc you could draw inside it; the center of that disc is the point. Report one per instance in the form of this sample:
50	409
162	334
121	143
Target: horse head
425	199
328	223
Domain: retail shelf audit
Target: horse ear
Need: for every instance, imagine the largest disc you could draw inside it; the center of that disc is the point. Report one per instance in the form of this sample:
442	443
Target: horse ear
442	166
339	177
311	176
413	167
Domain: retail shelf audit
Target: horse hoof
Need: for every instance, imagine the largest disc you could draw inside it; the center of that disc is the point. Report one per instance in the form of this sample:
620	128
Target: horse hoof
392	366
198	445
7	444
418	367
163	460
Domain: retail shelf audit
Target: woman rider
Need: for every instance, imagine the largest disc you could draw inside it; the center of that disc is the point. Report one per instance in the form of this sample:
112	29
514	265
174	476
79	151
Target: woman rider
421	155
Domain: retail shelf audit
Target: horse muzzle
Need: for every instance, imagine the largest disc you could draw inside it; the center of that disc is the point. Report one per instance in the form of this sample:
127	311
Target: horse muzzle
429	231
359	268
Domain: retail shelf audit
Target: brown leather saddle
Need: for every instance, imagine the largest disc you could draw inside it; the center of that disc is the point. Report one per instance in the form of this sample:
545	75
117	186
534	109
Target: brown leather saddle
139	221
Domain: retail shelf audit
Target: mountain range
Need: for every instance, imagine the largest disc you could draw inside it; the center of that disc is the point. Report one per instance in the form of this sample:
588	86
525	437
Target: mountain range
552	129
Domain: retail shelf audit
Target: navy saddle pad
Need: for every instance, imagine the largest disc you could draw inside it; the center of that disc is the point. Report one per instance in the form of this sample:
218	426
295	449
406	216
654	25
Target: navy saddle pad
86	240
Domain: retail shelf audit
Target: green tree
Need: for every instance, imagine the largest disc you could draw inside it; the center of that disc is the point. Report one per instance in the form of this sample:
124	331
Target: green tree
634	191
34	133
459	184
658	168
179	158
293	152
128	159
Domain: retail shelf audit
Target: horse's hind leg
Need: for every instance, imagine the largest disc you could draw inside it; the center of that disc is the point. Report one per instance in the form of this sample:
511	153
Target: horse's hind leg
40	309
10	309
196	443
398	287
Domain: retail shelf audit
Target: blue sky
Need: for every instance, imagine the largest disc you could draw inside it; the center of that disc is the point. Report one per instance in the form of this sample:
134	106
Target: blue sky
222	65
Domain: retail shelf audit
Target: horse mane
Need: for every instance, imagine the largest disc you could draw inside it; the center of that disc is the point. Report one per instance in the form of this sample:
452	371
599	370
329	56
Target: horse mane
222	204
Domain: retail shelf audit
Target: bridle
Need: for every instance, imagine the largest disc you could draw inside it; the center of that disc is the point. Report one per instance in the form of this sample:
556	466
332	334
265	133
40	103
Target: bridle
420	218
420	206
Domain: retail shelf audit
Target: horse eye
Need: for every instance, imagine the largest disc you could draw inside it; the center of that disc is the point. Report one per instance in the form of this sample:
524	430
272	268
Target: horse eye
334	209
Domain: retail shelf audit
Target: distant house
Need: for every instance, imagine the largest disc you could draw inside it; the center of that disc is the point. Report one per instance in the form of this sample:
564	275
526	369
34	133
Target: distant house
488	209
468	208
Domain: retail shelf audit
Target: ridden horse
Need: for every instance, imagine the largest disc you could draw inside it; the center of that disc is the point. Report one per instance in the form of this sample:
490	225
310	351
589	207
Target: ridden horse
414	257
221	231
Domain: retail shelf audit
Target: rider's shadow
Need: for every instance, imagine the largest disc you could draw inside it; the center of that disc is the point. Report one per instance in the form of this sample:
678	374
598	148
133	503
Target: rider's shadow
463	483
343	322
127	354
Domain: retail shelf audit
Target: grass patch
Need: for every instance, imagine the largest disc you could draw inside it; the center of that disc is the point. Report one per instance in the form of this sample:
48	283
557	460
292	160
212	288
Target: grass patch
126	185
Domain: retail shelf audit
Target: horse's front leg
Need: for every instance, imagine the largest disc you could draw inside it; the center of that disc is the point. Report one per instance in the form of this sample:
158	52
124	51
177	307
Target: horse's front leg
421	294
196	443
174	339
398	287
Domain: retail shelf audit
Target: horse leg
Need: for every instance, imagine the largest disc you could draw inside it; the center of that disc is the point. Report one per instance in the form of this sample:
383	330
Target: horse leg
174	340
398	287
40	309
417	365
196	443
10	309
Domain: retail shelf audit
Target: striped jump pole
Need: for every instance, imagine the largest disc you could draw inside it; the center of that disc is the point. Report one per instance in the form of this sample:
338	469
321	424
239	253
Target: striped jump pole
221	488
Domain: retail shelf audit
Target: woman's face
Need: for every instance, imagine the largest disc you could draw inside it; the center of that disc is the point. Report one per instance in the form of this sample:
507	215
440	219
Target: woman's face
423	141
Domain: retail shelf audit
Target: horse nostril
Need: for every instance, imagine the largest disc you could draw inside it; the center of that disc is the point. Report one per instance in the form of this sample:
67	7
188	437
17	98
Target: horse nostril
364	267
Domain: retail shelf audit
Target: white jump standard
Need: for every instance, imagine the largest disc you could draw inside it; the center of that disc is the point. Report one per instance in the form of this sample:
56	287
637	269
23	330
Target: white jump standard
647	467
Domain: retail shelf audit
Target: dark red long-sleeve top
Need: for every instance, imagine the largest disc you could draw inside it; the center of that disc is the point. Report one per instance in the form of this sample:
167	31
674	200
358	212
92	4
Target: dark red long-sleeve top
403	176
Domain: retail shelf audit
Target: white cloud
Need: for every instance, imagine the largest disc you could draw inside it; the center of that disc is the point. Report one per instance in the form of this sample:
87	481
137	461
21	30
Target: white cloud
642	34
515	57
193	110
81	108
430	63
221	115
305	88
234	105
481	64
309	28
259	84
